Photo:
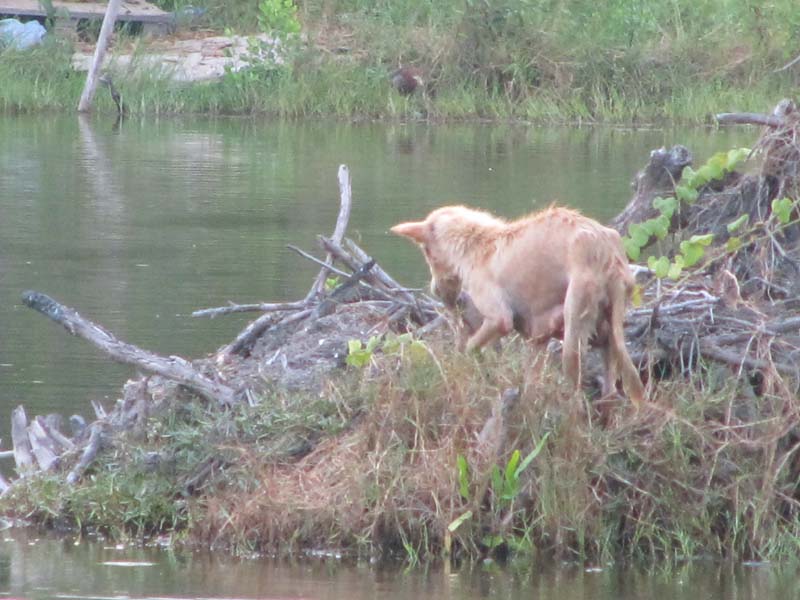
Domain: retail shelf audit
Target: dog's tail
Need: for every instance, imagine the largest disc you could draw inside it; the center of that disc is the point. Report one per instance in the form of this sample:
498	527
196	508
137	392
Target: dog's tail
619	293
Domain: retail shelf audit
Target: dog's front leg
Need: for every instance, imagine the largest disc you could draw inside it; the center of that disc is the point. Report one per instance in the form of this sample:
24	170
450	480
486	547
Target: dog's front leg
498	319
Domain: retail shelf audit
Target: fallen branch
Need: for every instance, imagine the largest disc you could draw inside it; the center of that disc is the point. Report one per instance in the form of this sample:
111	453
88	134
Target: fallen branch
749	119
23	454
173	368
257	307
89	454
345	201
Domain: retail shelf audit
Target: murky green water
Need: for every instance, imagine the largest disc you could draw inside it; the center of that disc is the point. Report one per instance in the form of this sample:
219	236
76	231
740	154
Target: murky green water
69	568
137	227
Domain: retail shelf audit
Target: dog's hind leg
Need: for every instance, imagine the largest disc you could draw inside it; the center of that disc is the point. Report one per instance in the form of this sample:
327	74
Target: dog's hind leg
580	316
616	345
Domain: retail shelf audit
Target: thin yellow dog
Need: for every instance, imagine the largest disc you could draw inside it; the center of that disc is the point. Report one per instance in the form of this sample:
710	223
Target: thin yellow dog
552	273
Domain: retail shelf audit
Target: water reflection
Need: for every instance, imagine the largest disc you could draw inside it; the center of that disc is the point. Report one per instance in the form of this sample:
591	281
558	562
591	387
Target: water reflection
139	226
48	568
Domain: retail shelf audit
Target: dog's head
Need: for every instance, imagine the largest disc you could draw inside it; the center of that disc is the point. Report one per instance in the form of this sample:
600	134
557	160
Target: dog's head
432	236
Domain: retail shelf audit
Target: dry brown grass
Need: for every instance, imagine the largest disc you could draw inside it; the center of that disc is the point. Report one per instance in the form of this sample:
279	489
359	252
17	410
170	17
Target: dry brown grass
701	469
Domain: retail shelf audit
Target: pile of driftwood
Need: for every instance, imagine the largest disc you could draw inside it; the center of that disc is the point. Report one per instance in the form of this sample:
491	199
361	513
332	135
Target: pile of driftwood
293	343
738	311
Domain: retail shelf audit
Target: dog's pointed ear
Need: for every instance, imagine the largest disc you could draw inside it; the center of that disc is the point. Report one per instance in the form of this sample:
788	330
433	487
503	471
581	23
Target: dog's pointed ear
417	231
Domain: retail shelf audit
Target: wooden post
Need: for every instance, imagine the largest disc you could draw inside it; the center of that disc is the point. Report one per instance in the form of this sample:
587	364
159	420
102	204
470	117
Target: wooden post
99	52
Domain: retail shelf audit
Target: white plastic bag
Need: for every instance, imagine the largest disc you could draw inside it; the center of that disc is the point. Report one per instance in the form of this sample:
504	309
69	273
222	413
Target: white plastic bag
19	35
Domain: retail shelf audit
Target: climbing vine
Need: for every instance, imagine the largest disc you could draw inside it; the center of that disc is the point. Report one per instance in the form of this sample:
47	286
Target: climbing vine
687	190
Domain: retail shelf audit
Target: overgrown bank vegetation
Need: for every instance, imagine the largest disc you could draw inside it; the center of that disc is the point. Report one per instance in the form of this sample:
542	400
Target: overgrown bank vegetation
400	467
541	60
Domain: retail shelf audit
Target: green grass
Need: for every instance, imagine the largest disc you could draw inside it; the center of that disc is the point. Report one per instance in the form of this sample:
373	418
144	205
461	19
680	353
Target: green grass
498	59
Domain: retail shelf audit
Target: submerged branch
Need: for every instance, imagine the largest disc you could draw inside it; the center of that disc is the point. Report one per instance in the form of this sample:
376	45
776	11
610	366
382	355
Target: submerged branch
174	367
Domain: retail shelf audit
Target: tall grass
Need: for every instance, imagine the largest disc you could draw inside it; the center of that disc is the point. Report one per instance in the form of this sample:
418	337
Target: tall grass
397	460
542	60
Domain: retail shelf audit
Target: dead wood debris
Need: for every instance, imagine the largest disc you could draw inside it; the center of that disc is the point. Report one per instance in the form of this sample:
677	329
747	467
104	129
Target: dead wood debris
740	308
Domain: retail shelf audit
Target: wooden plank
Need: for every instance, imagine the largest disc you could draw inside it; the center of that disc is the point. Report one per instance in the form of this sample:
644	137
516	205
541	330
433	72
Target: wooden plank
142	12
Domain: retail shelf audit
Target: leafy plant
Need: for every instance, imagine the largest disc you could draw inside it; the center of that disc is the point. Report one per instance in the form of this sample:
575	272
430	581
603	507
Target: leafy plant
782	209
331	283
687	190
278	17
360	355
505	488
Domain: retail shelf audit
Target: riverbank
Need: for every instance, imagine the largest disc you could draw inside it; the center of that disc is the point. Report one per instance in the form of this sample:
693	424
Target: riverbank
477	61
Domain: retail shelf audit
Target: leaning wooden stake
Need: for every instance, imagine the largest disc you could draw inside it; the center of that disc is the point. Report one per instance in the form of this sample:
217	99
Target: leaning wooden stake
99	53
174	367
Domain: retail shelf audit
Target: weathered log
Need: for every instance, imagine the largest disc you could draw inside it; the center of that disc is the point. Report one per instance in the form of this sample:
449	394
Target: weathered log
23	454
345	202
257	307
247	337
749	119
778	118
45	448
174	368
88	455
658	178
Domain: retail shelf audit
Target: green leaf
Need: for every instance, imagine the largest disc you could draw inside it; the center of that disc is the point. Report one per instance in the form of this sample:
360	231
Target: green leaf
463	477
511	467
686	194
492	541
639	234
659	266
666	206
701	177
372	343
736	156
459	521
687	176
782	209
356	355
536	450
676	268
734	225
331	283
661	228
497	480
632	249
510	480
717	165
692	252
733	244
702	239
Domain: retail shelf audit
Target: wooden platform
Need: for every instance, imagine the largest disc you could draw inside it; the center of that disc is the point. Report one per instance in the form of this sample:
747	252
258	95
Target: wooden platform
133	11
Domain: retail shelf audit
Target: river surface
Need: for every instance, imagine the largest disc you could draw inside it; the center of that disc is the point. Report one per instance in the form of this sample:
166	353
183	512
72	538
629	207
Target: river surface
137	226
76	569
